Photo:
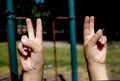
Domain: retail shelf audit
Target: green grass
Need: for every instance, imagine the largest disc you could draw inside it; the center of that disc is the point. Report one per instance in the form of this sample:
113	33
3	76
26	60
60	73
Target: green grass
64	58
4	60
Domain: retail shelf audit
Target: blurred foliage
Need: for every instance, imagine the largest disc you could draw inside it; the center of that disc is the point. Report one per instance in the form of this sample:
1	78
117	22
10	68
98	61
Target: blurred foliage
47	9
50	9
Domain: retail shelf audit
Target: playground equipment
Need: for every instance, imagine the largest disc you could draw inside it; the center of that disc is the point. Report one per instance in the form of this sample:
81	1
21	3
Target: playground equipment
73	39
12	43
54	42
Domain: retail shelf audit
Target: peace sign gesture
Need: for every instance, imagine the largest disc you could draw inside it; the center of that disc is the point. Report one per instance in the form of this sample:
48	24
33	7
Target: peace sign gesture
95	47
31	49
94	43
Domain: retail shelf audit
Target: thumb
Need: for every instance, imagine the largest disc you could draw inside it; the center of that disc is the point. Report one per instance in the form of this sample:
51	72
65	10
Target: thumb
32	45
96	37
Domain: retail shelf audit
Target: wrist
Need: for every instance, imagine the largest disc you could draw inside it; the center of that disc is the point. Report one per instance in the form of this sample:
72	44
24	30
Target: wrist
96	66
33	75
95	63
97	71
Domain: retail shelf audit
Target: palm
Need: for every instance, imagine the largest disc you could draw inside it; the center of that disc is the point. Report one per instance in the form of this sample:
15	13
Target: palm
31	54
94	51
95	55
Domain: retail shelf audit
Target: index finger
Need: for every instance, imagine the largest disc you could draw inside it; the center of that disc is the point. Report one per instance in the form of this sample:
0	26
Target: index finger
30	28
86	27
92	19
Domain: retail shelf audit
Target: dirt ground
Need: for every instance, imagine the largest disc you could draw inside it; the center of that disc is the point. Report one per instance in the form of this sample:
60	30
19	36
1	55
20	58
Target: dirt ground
49	75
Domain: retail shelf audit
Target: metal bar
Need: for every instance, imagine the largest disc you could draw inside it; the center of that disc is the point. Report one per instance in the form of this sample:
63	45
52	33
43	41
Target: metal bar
62	17
21	17
55	56
11	41
54	41
73	39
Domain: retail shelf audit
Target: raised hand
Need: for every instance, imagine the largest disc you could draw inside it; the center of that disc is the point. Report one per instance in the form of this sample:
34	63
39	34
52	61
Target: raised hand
94	43
95	48
31	51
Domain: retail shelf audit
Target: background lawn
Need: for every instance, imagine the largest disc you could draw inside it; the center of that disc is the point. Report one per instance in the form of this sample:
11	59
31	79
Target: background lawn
64	60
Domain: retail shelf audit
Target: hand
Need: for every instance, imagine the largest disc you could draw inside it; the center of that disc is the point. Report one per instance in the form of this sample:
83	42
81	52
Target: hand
31	48
95	45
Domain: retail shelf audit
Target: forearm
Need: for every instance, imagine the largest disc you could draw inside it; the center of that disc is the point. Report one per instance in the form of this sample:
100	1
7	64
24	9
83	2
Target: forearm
97	72
34	75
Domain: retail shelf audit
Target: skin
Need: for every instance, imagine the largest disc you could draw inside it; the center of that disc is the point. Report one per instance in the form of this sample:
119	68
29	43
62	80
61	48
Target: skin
95	48
31	54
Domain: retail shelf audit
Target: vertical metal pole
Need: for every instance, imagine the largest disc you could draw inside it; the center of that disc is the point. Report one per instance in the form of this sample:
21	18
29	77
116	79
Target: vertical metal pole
54	41
73	39
55	56
12	42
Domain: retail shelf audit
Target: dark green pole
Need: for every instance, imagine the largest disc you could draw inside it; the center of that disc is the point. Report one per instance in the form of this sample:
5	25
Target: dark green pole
73	39
11	41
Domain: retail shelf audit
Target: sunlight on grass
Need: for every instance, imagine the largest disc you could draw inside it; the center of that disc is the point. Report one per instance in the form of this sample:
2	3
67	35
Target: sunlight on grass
64	60
4	70
4	56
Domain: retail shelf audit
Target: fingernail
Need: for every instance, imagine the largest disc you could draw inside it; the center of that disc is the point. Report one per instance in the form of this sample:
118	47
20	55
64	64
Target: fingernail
99	31
27	19
103	42
23	40
25	53
38	19
24	48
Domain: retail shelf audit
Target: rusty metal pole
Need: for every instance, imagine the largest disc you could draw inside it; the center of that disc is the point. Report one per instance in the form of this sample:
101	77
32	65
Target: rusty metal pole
55	56
54	41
